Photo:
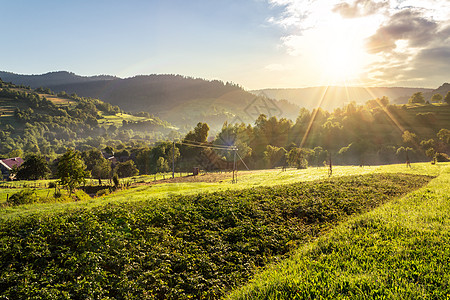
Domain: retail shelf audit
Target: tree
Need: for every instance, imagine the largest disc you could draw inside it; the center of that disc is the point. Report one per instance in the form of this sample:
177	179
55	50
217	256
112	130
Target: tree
35	167
444	135
99	166
71	170
162	165
126	169
297	157
416	98
436	98
319	155
275	156
200	133
429	146
447	98
409	138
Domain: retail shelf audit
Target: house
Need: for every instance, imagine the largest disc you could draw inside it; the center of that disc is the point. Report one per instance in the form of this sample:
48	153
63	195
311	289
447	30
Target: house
7	165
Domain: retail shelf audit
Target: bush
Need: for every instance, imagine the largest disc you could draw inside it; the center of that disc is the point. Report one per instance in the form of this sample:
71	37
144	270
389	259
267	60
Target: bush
102	192
26	196
442	157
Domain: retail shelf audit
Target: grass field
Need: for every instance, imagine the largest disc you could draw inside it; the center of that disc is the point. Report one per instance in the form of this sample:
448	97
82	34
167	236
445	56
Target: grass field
245	180
397	251
117	119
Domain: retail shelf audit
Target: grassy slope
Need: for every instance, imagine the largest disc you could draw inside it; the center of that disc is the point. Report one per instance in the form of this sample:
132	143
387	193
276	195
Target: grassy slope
265	177
7	107
398	251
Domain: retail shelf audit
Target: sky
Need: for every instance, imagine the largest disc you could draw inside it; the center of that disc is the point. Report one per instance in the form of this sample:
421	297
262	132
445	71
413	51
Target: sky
254	43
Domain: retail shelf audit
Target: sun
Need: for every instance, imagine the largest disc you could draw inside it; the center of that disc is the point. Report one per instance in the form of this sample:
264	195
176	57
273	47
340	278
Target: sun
341	61
336	50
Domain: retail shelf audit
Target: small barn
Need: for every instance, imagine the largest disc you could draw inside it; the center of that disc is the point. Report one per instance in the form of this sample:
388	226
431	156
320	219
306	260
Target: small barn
7	165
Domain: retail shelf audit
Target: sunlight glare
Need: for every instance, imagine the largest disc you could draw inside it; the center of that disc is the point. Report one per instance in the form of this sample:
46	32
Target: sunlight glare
336	49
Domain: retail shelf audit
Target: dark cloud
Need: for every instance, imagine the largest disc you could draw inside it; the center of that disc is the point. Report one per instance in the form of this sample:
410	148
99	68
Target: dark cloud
359	8
406	25
426	68
425	59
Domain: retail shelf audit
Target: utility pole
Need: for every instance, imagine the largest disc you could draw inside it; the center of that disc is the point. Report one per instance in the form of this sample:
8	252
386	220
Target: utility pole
173	160
330	167
234	166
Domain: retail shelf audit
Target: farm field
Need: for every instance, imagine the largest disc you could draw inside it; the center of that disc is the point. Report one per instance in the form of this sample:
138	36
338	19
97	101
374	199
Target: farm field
181	243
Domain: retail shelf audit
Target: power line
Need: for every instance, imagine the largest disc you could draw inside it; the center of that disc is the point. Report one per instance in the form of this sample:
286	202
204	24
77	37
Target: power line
242	160
217	147
206	144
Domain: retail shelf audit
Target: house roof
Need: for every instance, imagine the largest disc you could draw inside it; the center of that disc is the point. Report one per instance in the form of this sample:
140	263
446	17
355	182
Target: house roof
9	163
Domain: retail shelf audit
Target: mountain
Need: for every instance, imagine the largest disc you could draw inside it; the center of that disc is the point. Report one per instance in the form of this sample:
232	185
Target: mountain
52	78
443	90
185	101
178	99
332	97
41	121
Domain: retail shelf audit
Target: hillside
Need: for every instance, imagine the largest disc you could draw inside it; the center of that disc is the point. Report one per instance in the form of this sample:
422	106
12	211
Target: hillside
332	97
177	99
42	121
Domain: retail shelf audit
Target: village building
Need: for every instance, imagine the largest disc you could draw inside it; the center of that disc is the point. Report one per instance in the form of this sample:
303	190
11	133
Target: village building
7	165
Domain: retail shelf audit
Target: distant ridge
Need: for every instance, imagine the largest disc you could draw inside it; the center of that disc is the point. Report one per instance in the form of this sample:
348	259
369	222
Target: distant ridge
181	100
51	78
332	97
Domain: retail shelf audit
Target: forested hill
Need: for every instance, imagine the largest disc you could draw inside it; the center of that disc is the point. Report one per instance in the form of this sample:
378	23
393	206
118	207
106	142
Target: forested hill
50	79
178	99
336	96
39	120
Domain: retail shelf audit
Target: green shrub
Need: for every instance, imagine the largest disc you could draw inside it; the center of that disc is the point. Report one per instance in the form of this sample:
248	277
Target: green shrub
81	195
442	157
102	192
26	196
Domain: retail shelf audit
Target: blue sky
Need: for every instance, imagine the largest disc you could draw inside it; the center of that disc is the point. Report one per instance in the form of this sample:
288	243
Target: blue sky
255	43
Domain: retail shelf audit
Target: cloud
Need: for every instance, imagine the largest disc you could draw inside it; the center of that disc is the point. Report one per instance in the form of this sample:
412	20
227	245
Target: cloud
413	48
407	41
406	25
360	8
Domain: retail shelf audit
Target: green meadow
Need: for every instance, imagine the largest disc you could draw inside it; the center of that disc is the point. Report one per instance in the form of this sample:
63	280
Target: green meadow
245	180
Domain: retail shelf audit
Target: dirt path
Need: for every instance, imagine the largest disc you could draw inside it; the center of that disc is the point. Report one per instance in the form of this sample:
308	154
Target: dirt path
206	177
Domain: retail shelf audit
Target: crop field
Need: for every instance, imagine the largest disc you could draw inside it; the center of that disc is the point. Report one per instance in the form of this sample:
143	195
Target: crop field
299	234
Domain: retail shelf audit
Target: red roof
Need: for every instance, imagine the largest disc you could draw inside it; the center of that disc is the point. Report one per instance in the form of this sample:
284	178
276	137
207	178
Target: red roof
9	163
